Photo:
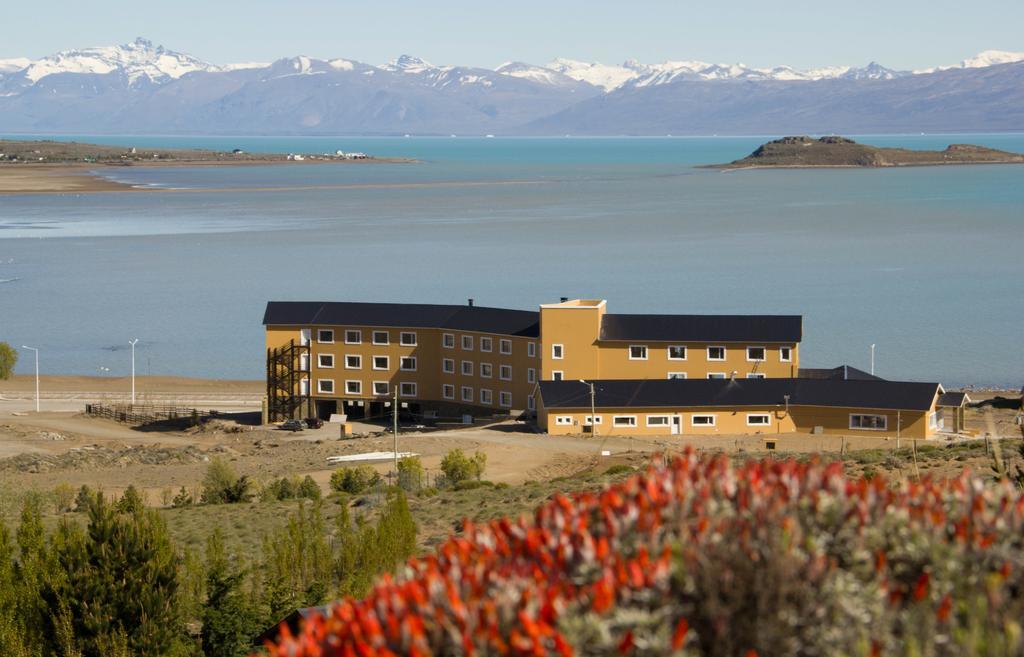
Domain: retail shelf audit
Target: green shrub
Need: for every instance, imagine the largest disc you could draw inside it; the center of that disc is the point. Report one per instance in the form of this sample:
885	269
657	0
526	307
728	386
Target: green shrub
472	484
308	489
130	502
222	486
354	480
459	467
63	498
182	499
83	499
618	468
8	359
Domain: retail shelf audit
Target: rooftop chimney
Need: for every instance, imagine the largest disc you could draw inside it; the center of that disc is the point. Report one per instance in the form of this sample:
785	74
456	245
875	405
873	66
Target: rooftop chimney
564	299
471	302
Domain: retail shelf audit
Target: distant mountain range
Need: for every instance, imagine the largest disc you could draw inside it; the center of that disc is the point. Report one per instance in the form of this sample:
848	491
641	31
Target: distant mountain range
141	88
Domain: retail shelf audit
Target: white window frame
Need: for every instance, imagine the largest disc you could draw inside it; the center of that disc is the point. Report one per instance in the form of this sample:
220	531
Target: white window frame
489	394
320	361
597	419
557	375
725	353
764	354
630	422
694	416
387	388
445	338
531	375
387	338
358	333
757	375
402	361
403	393
501	372
359	360
557	352
304	361
667	420
766	416
402	339
486	343
504	399
387	361
531	349
359	387
320	388
448	390
668	351
490	371
717	375
448	365
531	405
468	371
305	336
884	427
643	347
676	375
789	357
563	420
467	394
319	334
467	340
304	387
505	346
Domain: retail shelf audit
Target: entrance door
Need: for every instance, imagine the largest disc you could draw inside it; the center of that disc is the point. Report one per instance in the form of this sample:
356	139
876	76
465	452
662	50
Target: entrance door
677	425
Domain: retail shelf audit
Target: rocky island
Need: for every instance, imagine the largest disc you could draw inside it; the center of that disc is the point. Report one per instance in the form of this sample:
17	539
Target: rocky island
807	152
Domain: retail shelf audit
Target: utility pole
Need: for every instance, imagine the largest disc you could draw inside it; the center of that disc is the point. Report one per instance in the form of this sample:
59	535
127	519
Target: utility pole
394	416
37	374
593	409
133	343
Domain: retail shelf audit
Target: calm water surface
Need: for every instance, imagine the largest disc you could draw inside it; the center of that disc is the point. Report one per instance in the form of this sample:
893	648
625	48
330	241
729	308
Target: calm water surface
928	263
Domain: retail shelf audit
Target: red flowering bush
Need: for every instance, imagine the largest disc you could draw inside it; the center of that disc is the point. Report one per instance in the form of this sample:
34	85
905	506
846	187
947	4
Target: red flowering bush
700	557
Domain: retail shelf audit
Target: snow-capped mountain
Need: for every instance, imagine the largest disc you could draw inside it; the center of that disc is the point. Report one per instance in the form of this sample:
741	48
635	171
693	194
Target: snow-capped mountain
14	64
992	58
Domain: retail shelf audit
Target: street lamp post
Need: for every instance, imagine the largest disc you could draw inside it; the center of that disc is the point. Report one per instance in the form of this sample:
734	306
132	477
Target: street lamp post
593	410
132	343
872	359
37	373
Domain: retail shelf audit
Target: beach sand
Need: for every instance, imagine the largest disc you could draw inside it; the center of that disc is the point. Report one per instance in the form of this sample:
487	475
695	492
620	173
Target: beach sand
48	179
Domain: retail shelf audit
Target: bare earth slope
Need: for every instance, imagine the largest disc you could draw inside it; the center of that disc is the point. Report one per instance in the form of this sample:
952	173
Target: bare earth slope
842	152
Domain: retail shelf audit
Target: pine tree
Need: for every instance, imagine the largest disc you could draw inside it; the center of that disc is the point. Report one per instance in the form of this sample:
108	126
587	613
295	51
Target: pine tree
229	623
12	628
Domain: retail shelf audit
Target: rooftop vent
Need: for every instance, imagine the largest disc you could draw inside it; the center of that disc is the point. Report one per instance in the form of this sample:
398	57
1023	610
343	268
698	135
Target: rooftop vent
471	301
564	299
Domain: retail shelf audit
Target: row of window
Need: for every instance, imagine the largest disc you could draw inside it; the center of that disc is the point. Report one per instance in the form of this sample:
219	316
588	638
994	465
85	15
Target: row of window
486	395
486	370
409	389
696	420
409	339
355	336
558	375
466	342
679	352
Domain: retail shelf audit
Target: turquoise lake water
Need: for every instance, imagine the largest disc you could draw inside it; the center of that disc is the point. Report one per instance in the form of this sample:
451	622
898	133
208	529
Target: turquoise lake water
928	263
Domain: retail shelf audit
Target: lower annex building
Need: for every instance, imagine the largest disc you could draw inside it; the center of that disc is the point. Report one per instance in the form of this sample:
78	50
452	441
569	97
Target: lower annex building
575	368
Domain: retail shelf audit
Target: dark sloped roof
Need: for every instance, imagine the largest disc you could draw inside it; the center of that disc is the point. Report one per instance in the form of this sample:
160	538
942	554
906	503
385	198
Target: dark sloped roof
841	372
703	328
662	393
411	315
953	399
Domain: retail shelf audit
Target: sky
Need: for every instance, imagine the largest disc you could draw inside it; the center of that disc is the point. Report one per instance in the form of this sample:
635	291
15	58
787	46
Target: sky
904	34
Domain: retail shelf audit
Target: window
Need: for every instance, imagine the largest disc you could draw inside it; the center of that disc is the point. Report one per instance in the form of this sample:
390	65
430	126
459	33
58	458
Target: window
325	385
638	352
563	419
353	362
448	366
587	420
486	397
407	338
531	375
467	343
556	375
353	337
716	375
505	399
505	346
353	387
657	420
869	422
702	420
486	344
325	336
467	394
756	375
467	368
624	421
485	370
716	353
407	363
448	340
531	349
677	352
755	354
557	351
407	389
505	372
304	362
786	354
530	404
381	388
381	337
448	391
677	375
304	336
381	362
325	361
304	387
758	420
